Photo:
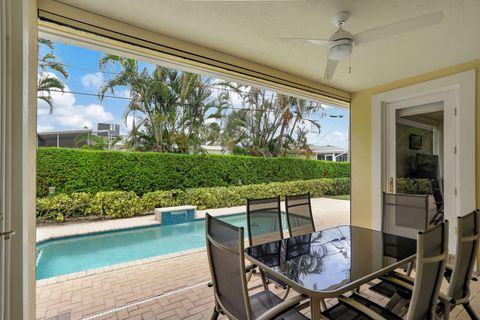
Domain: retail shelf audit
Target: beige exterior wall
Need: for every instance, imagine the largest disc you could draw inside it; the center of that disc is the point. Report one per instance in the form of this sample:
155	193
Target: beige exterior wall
361	146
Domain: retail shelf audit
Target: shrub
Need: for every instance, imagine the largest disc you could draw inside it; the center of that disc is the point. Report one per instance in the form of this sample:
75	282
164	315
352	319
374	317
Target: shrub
161	199
340	186
122	204
237	195
92	171
414	186
115	204
62	206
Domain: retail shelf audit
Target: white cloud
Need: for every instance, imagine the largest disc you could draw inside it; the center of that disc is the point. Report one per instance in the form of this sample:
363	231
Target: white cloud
67	115
92	80
334	138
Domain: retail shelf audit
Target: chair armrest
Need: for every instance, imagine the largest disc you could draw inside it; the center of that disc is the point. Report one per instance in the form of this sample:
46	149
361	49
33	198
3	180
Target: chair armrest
445	299
361	307
398	282
250	267
279	308
402	277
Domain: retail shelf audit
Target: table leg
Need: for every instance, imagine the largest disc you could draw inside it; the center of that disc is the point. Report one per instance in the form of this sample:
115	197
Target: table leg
315	308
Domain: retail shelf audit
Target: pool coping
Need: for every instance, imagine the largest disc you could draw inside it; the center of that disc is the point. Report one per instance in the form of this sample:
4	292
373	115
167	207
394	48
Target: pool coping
59	231
114	267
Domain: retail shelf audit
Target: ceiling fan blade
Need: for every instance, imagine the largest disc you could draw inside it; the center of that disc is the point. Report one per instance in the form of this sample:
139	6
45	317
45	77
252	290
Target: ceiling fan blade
322	42
398	27
330	69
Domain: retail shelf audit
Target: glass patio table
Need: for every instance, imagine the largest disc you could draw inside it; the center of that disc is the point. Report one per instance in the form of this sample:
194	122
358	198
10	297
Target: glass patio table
327	263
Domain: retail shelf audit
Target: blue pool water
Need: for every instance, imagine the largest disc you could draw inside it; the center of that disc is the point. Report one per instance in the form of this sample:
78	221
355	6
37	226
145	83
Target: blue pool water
77	253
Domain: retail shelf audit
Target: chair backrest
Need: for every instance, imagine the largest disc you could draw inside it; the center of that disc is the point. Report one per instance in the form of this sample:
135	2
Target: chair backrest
227	267
465	256
264	220
299	214
437	193
404	214
432	252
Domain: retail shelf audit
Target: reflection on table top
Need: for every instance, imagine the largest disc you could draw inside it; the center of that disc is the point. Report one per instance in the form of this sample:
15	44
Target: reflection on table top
330	260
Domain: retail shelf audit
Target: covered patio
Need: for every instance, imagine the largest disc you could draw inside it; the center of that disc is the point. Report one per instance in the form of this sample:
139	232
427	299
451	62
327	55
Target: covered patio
435	65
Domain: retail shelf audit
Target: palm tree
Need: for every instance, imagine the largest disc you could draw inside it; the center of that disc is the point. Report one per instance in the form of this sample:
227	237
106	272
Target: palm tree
173	110
46	82
94	142
270	124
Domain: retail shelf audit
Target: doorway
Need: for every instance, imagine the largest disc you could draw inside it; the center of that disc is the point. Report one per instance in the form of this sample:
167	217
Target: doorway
424	133
421	155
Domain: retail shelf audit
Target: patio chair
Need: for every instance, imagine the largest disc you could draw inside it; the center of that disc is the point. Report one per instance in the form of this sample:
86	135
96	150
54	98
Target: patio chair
264	220
460	275
405	214
299	214
402	215
432	252
225	249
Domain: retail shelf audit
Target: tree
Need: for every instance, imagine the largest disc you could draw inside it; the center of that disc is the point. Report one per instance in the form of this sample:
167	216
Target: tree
95	142
48	64
172	110
270	124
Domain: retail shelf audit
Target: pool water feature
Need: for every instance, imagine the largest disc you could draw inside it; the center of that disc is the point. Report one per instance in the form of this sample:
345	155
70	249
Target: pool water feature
84	252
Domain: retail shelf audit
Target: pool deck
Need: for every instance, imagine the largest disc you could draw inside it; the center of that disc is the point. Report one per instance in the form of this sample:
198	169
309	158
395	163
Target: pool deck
328	213
165	287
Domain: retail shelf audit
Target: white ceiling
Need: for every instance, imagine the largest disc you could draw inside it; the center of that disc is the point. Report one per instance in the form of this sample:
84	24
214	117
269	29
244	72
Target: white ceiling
247	29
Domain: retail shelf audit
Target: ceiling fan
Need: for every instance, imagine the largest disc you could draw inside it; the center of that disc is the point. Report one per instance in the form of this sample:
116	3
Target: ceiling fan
340	44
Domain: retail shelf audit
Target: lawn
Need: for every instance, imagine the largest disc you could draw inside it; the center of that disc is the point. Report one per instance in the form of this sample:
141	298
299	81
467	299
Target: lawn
340	197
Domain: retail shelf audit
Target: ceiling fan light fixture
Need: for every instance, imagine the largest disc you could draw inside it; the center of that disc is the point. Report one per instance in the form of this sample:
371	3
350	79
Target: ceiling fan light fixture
342	49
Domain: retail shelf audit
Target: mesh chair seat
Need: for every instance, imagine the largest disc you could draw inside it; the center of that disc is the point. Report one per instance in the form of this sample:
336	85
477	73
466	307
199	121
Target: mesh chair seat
405	214
343	311
266	300
299	214
264	220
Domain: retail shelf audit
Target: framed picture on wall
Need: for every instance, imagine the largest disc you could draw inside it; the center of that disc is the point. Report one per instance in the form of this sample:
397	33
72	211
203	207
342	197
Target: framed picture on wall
415	142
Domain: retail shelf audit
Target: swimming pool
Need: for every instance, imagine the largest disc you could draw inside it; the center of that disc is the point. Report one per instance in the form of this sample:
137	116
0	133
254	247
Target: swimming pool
84	252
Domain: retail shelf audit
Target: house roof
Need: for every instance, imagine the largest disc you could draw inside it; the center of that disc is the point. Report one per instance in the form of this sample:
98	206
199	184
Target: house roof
328	149
65	132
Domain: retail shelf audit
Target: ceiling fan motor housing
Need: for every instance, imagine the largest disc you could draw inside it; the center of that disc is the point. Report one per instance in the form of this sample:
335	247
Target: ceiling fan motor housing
341	45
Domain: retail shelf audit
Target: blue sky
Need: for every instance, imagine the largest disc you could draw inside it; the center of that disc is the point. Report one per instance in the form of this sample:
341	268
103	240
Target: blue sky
76	111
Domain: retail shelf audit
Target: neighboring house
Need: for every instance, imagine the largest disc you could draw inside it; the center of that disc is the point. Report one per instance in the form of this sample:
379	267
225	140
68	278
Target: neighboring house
214	149
328	153
62	139
68	138
331	153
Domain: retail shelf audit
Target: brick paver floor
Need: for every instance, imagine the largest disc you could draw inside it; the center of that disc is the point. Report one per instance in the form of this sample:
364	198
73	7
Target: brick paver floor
169	289
172	288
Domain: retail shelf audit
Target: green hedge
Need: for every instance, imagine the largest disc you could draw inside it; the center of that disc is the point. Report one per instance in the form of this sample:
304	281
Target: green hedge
123	204
77	170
